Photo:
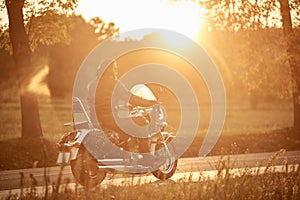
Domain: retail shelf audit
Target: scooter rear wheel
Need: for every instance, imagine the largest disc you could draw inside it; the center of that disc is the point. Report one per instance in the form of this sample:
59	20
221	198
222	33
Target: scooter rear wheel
85	169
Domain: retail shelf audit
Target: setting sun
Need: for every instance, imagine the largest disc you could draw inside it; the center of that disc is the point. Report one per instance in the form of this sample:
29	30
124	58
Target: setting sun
182	17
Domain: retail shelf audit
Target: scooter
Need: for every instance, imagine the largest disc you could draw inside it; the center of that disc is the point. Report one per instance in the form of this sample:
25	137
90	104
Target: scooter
93	152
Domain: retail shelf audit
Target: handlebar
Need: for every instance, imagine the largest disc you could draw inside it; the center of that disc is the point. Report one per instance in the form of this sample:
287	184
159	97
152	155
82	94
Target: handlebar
137	111
140	111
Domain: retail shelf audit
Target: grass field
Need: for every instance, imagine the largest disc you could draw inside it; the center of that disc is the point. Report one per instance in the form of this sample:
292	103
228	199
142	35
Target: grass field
53	115
245	130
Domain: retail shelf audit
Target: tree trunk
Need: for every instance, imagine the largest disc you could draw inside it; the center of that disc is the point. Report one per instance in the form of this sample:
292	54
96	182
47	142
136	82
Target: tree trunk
31	126
292	59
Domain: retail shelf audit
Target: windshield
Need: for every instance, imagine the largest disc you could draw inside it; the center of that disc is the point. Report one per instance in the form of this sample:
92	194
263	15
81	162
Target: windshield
143	91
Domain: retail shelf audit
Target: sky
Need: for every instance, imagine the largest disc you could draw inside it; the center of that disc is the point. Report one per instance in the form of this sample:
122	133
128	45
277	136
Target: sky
183	16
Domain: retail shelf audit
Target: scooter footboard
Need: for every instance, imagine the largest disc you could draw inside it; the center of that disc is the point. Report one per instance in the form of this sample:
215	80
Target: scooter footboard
101	147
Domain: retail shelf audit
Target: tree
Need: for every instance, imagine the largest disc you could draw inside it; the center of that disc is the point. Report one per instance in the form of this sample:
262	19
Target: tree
254	15
22	50
65	59
293	52
31	126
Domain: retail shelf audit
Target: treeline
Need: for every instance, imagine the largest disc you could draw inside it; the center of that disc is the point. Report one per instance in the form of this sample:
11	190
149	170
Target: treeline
63	57
253	64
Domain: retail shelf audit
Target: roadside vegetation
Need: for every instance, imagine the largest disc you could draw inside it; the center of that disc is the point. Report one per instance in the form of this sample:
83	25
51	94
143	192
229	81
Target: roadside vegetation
259	183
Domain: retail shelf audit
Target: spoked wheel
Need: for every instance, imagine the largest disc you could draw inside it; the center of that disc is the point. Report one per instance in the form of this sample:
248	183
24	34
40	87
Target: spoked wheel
85	169
169	167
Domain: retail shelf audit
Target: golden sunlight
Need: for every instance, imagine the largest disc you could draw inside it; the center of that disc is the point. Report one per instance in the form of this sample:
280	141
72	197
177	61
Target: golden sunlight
37	85
182	17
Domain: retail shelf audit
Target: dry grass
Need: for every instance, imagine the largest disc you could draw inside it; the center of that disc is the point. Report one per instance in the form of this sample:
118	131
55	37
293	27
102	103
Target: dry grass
262	183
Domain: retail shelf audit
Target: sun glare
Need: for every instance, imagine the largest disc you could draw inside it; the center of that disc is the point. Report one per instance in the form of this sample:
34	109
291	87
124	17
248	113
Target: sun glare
36	83
183	17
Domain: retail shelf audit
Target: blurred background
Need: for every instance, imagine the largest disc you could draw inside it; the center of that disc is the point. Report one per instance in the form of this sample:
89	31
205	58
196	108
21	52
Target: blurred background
253	43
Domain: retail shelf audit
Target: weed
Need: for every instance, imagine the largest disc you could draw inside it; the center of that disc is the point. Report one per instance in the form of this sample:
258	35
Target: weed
261	183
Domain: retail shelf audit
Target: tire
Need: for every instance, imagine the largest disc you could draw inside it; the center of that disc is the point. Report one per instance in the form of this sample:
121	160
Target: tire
85	169
167	170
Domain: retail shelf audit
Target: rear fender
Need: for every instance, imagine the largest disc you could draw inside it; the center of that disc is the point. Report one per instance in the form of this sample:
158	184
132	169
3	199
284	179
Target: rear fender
81	134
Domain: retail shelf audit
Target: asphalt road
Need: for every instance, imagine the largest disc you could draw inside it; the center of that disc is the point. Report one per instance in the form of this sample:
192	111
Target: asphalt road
11	179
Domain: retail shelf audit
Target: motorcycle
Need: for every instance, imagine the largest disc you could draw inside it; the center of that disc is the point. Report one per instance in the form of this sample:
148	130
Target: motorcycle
93	152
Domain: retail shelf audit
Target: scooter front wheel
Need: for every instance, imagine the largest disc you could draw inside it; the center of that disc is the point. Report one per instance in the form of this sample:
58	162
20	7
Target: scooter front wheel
169	167
85	169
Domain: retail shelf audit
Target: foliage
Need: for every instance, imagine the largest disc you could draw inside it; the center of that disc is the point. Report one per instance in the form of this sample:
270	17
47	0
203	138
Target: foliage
102	29
261	56
48	29
46	23
264	68
59	38
42	7
4	39
65	59
251	62
236	15
49	22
